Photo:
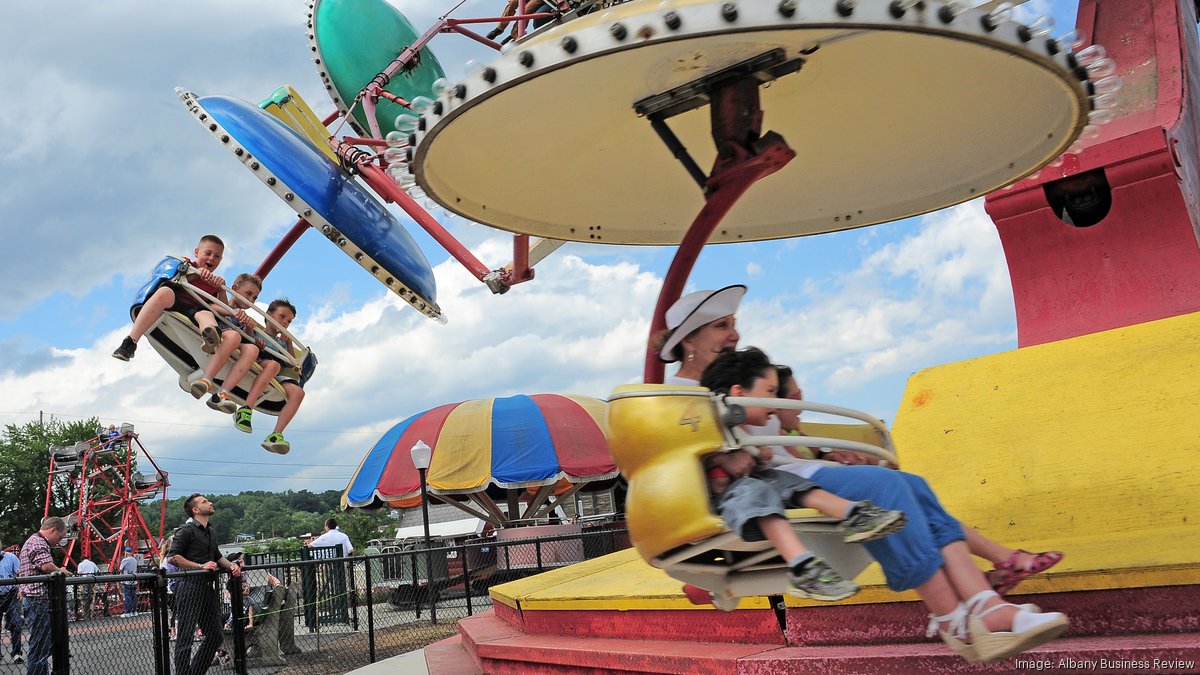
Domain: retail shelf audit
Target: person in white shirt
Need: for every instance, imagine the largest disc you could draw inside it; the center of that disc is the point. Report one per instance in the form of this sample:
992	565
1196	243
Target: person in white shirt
332	537
85	593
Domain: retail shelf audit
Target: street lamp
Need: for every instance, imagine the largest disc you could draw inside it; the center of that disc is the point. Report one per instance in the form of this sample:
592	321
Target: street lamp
421	455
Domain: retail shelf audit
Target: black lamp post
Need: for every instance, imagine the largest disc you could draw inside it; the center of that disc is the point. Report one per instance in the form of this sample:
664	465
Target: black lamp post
421	456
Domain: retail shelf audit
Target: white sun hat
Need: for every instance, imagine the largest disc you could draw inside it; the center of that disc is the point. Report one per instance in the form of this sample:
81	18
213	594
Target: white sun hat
696	309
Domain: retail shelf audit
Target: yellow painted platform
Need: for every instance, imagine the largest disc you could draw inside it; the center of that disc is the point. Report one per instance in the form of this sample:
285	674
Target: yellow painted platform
1089	445
622	581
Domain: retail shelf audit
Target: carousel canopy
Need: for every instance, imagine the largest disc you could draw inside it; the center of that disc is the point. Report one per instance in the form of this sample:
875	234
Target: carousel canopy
514	442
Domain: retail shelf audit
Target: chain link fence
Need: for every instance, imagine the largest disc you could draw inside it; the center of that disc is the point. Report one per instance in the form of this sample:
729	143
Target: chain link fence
309	612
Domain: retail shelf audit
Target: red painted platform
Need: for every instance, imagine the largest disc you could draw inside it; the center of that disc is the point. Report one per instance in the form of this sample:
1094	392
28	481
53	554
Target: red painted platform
1126	630
496	647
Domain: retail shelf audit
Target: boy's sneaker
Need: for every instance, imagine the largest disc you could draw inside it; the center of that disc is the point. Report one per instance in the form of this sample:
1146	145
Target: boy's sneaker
277	444
241	419
224	403
212	338
868	522
214	403
126	350
819	581
199	384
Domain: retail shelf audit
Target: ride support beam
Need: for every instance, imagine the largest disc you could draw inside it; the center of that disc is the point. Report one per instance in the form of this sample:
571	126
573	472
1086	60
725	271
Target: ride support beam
285	244
744	156
387	188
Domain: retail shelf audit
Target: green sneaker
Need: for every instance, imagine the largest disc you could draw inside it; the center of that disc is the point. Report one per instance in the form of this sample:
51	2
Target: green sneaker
277	444
241	419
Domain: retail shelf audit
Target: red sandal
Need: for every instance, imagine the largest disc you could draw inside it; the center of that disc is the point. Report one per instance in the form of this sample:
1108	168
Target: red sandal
1008	574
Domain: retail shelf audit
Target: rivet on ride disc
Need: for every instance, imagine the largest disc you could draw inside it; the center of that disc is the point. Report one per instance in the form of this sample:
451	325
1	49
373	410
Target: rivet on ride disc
618	31
673	21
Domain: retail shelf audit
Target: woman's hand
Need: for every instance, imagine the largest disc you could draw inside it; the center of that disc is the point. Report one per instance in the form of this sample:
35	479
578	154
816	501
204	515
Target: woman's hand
851	458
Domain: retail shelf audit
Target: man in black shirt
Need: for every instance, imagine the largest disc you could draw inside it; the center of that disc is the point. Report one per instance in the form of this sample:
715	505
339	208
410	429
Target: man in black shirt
196	599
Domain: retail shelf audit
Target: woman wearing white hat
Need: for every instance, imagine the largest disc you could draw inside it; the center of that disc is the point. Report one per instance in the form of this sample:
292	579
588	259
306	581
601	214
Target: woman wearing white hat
703	324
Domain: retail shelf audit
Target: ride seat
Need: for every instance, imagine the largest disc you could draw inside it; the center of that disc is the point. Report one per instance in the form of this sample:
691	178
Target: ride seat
659	435
287	106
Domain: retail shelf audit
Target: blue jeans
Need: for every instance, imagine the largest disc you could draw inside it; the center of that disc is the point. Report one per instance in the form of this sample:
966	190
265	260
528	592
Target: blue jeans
196	604
130	591
37	615
10	609
913	555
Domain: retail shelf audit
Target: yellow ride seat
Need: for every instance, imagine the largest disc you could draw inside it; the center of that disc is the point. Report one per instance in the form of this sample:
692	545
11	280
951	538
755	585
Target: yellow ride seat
286	105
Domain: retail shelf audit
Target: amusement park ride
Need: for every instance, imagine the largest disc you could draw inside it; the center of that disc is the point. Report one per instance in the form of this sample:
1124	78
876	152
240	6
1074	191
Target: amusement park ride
100	476
824	115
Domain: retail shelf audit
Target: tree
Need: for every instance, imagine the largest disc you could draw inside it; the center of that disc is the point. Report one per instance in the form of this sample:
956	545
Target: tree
25	456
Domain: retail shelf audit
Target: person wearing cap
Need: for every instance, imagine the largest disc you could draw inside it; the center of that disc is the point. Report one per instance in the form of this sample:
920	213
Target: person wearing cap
700	326
129	567
703	324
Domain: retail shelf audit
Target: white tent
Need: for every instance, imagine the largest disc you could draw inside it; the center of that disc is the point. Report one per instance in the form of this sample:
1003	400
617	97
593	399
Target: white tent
450	528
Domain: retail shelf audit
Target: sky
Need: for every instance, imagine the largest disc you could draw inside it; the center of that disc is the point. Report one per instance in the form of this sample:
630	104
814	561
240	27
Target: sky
105	172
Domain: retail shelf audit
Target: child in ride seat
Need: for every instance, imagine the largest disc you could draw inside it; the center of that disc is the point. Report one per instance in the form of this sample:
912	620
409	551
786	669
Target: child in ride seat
752	499
246	289
283	313
170	297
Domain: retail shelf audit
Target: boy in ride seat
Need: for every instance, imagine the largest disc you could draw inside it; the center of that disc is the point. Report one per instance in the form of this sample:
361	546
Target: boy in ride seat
171	297
283	313
752	499
246	288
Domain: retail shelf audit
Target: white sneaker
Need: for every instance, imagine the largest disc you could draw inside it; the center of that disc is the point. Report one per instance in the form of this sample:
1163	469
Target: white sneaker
225	403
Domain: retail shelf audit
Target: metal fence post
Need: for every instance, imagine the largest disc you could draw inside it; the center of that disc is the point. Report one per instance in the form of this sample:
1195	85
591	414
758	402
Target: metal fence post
466	563
370	612
348	566
238	609
60	648
162	623
537	545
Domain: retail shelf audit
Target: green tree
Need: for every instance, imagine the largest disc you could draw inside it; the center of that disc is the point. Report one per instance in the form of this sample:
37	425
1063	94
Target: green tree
25	456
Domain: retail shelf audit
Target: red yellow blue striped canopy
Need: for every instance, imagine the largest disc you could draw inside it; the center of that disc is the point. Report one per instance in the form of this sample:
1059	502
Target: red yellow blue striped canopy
514	442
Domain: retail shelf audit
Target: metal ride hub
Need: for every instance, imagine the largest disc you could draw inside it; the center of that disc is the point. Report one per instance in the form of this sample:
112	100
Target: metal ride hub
900	108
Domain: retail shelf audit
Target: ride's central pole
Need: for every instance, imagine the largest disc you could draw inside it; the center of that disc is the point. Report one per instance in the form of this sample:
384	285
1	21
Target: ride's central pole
744	156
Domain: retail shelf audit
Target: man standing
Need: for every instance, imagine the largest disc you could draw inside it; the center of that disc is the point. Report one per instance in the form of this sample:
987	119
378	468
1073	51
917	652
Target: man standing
332	537
197	602
336	573
85	593
35	559
10	606
129	567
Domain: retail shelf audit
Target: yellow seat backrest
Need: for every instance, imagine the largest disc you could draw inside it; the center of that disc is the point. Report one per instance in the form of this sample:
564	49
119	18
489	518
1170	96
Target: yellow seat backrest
658	435
287	106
